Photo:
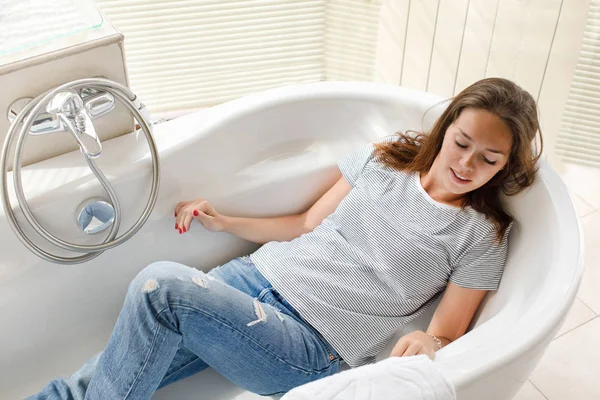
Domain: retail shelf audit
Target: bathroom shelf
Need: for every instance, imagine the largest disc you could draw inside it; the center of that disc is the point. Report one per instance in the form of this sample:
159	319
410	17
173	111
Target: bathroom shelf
26	24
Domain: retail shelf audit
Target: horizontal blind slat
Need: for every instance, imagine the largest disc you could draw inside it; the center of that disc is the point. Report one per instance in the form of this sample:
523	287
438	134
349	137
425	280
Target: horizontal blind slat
196	82
227	95
307	31
579	152
589	163
215	66
569	143
231	54
132	17
224	21
580	117
129	6
579	136
256	58
222	27
579	106
575	127
590	78
184	53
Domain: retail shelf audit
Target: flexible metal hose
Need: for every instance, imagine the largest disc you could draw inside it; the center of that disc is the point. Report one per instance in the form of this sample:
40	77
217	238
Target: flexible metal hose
25	120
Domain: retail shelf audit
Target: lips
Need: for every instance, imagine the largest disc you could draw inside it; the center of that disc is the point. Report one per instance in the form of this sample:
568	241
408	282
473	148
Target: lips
459	177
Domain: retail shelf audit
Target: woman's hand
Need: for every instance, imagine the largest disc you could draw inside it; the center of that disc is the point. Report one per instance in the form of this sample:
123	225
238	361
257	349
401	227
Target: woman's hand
200	210
415	343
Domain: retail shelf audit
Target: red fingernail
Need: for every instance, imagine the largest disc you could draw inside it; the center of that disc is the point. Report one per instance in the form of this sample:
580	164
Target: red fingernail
175	214
180	231
195	213
184	229
176	227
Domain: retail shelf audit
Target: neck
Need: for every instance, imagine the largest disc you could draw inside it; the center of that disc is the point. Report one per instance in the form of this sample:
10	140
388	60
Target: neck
432	184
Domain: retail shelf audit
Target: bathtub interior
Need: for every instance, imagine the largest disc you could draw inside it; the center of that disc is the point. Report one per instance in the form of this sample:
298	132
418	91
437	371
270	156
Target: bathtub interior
254	157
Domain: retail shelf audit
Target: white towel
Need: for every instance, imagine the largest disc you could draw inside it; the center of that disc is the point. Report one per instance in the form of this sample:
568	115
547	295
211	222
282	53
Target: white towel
402	378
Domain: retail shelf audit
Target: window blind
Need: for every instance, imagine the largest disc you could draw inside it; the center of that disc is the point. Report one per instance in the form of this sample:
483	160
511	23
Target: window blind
579	136
188	54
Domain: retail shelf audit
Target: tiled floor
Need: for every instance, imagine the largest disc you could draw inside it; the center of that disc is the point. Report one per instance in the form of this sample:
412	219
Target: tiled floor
570	368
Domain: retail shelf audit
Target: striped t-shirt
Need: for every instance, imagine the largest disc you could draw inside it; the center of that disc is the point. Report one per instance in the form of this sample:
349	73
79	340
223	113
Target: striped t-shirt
383	256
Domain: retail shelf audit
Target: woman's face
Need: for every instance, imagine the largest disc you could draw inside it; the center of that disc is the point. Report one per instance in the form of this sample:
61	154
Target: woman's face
476	146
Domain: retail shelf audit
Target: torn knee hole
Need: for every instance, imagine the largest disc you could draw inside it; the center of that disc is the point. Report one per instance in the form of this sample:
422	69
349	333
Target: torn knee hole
260	313
199	281
150	286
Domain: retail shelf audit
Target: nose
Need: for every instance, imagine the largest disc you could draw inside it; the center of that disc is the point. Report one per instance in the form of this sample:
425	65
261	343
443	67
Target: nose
466	161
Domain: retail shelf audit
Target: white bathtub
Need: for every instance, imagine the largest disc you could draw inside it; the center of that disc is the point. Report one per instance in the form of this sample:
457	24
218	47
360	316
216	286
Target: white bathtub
267	154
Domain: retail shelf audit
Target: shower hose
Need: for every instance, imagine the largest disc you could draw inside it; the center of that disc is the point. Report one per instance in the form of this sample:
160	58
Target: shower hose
19	129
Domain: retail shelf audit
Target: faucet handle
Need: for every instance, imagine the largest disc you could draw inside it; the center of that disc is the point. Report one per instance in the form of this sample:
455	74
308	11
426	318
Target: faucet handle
44	123
98	104
67	102
70	109
84	132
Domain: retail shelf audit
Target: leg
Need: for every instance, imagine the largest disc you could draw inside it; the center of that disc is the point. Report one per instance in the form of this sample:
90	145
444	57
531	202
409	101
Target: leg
241	274
172	310
234	331
184	364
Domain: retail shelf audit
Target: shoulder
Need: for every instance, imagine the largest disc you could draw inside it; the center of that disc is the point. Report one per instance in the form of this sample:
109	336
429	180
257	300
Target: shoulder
473	230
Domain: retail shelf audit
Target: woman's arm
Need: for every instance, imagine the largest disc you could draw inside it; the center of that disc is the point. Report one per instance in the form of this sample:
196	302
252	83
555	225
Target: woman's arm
450	321
262	230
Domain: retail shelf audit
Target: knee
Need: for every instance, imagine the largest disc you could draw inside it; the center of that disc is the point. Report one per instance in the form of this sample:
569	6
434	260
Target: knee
147	280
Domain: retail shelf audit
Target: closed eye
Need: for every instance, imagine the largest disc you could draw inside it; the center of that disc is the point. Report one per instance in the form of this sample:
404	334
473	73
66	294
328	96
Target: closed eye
464	146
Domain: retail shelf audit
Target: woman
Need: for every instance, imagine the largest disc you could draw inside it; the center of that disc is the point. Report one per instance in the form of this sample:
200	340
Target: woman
410	219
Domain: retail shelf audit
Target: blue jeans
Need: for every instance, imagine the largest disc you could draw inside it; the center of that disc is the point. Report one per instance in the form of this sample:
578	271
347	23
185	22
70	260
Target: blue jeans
177	321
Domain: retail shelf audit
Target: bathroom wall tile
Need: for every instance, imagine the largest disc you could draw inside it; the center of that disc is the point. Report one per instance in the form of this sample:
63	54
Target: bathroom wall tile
590	283
578	315
584	181
569	368
529	392
591	228
588	292
582	207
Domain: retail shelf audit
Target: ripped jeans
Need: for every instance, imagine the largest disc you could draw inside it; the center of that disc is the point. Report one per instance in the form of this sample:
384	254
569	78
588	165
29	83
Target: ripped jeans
177	321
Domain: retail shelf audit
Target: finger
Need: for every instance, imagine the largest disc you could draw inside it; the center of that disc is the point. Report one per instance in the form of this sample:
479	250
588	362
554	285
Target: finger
178	207
431	354
399	349
421	352
187	220
201	217
178	221
204	207
412	350
198	215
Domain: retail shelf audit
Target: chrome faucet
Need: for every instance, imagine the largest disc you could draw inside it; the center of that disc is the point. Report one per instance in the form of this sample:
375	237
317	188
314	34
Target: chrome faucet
72	111
69	107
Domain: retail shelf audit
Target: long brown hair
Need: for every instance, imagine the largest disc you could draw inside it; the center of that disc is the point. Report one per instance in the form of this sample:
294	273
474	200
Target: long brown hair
511	104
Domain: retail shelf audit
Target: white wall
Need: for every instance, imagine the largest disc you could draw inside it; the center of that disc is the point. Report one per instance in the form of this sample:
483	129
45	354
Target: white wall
473	39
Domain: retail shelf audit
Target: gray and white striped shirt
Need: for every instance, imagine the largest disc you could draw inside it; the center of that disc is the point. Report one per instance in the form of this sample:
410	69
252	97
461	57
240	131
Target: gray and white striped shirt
383	256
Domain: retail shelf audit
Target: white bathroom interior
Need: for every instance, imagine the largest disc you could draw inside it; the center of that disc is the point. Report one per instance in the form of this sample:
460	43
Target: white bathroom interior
183	58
